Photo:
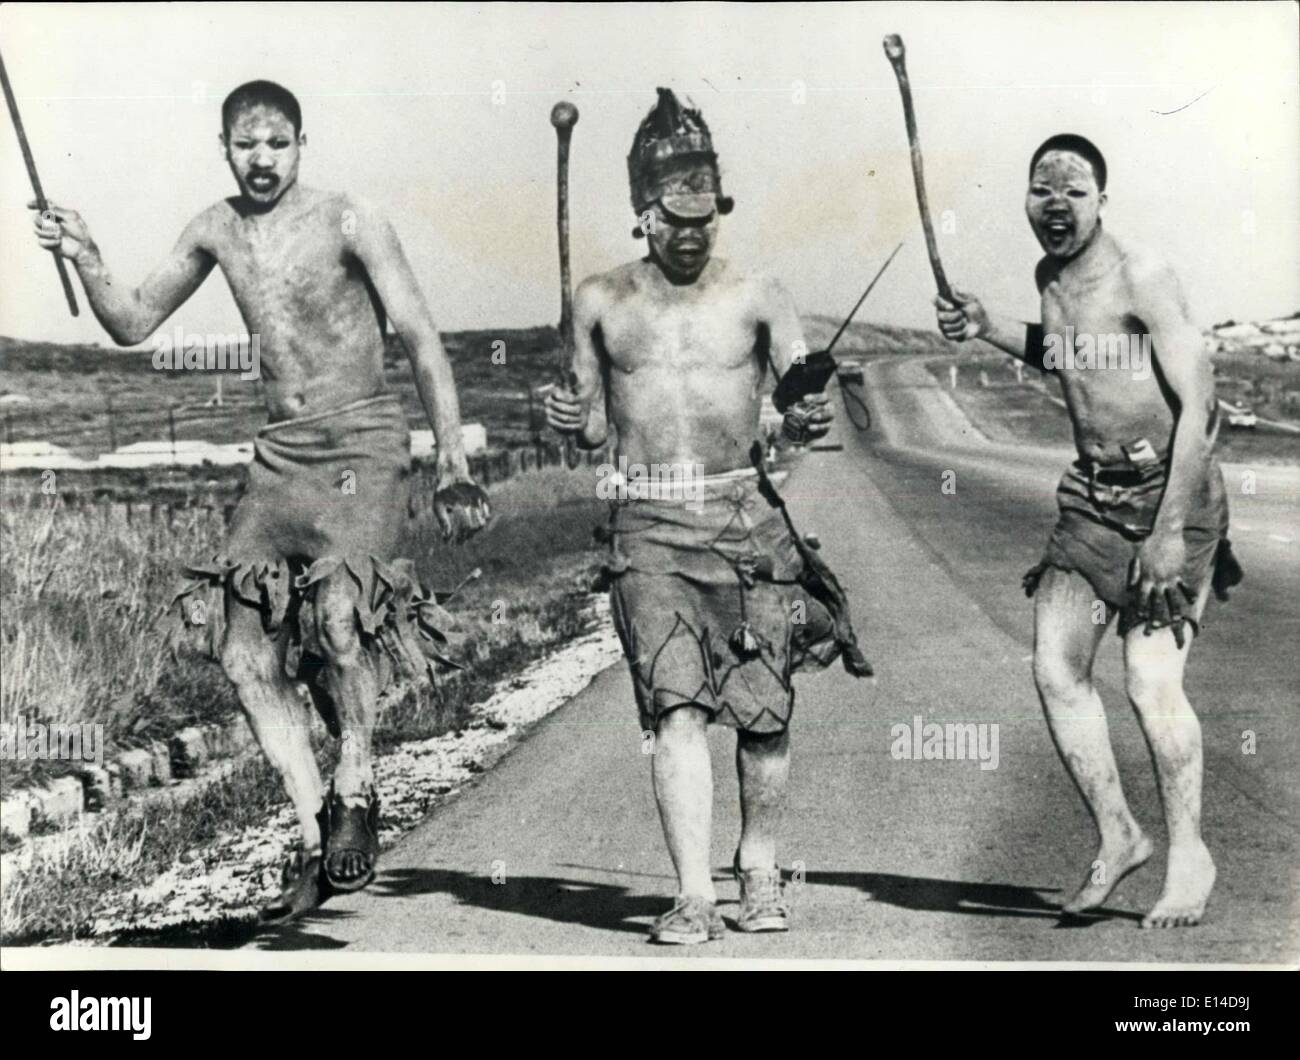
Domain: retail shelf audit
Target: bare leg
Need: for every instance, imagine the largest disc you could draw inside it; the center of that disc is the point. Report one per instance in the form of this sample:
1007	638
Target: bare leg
763	764
354	688
1066	638
1153	670
683	785
279	718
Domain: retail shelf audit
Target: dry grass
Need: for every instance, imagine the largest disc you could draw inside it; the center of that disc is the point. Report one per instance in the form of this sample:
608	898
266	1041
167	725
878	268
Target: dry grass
56	897
78	642
79	603
81	640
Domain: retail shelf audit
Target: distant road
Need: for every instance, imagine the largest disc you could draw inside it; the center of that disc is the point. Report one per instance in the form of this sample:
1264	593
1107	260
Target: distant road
899	859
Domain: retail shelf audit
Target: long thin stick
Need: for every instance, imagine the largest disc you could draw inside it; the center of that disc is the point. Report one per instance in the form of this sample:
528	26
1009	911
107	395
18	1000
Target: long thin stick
896	54
564	116
854	311
41	203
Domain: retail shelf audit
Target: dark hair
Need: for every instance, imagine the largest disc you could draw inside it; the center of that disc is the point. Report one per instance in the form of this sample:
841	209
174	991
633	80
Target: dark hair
261	93
1077	145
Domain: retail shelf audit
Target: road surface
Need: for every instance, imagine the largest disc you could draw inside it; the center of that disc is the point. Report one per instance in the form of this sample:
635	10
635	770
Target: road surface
558	849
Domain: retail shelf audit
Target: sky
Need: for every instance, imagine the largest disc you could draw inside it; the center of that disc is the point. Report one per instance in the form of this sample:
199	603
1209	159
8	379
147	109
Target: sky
439	115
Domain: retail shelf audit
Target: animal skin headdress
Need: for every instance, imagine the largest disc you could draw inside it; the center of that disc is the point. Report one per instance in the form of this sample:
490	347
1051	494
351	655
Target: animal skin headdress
673	163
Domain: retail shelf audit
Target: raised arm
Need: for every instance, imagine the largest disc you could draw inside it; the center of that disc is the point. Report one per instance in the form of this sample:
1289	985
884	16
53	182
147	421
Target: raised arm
461	507
129	315
967	319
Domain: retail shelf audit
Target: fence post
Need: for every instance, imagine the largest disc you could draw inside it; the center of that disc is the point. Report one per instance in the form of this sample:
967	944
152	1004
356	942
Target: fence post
112	421
171	430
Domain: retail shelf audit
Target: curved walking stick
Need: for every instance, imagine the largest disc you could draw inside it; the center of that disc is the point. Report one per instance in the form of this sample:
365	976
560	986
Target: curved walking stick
896	54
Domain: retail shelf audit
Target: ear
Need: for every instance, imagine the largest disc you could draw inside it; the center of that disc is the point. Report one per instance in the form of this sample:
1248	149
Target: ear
1101	202
302	140
225	145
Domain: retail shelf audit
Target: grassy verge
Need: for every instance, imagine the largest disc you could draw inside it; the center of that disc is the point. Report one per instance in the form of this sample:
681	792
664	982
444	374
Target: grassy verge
538	559
81	639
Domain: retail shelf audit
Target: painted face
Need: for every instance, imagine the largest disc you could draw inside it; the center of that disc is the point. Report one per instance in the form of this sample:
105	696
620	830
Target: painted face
1064	204
682	245
263	153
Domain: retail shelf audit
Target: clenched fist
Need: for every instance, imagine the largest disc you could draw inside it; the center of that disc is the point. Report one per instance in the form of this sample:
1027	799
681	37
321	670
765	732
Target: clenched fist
808	419
563	410
61	230
962	320
461	508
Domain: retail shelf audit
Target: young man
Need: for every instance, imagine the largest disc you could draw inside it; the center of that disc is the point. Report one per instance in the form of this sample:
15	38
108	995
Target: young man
308	592
1142	532
717	601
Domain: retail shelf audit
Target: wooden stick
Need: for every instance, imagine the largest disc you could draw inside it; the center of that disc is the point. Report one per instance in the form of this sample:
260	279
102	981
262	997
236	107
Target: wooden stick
896	54
41	204
564	116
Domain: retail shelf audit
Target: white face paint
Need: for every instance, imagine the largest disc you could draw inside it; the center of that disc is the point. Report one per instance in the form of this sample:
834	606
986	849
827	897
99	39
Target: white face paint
683	247
1064	204
263	152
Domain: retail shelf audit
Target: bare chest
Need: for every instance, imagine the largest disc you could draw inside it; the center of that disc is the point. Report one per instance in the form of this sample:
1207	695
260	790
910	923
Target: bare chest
686	335
299	269
1103	356
1099	309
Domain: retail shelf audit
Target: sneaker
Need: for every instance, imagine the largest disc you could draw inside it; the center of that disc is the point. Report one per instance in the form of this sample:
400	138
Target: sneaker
762	902
688	922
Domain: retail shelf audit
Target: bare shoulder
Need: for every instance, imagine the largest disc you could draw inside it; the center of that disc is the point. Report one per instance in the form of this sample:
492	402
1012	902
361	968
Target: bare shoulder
342	204
208	226
358	220
1146	271
1044	272
602	288
765	292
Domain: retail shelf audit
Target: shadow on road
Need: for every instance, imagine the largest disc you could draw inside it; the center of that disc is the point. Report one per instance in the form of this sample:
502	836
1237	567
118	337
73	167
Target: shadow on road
304	934
599	905
612	907
958	896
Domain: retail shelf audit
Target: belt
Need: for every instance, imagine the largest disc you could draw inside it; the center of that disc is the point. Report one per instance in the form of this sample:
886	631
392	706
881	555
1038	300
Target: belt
1124	477
1117	476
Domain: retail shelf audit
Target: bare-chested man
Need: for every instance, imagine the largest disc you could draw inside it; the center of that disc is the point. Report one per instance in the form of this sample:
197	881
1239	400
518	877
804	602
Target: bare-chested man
309	594
708	582
1143	513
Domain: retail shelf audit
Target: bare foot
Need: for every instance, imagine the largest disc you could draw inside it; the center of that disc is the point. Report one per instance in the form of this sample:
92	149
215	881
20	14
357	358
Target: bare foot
1114	861
1189	878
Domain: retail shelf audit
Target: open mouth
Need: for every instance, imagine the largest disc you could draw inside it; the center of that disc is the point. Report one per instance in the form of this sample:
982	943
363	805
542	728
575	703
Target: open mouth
263	181
1057	228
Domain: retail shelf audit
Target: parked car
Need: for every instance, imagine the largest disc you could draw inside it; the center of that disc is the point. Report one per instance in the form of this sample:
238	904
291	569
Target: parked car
849	371
1241	416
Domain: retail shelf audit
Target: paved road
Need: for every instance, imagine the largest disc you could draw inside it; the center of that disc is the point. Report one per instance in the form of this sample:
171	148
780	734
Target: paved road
901	859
